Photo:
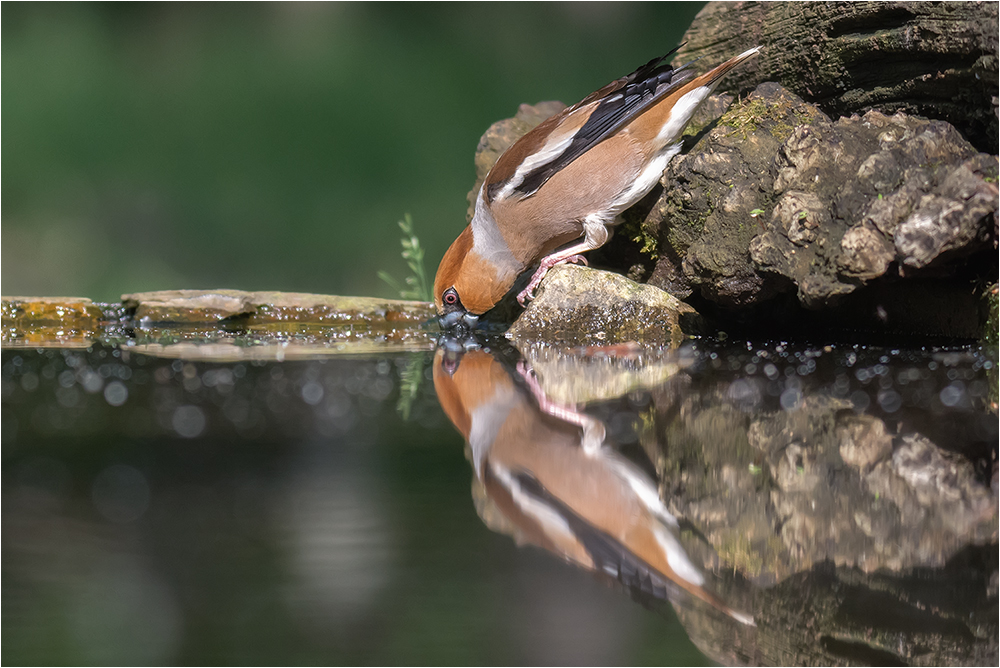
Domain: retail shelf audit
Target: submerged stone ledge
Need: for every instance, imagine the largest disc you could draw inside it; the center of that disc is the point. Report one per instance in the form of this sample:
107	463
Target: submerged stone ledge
221	324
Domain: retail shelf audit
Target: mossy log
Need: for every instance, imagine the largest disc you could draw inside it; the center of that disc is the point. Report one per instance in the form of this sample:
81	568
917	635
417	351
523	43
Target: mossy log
937	60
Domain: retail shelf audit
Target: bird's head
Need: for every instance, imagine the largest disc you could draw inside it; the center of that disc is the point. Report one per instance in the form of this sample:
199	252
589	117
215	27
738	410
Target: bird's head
467	285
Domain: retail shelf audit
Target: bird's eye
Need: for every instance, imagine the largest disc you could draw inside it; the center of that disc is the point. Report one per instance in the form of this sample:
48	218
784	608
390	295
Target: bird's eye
450	297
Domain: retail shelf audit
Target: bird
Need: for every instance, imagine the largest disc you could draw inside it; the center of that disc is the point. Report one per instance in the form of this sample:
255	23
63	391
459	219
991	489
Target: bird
558	487
555	193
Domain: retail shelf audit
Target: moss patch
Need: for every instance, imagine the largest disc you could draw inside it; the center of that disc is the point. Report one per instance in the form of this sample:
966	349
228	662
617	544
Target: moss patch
778	119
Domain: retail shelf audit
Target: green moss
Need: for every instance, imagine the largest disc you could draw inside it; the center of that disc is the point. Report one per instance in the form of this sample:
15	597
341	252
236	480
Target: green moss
744	117
647	243
737	550
778	119
990	331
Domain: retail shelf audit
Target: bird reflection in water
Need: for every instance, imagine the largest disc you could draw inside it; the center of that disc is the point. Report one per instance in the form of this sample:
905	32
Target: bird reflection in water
546	468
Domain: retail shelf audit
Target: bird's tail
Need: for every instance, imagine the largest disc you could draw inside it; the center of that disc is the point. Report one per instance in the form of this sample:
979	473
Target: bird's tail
712	76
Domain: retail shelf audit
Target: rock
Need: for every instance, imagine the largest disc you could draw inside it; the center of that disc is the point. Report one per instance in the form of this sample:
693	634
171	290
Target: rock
874	223
780	493
864	441
716	197
262	308
600	373
223	324
938	60
777	197
41	321
877	190
578	306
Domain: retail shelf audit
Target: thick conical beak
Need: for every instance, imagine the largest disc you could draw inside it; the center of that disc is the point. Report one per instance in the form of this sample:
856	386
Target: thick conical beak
458	319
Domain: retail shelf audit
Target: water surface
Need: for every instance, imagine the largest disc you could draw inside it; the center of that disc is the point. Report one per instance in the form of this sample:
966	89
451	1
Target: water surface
159	508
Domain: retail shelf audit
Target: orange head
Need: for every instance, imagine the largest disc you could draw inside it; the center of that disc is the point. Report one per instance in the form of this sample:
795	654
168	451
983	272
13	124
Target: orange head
467	381
467	284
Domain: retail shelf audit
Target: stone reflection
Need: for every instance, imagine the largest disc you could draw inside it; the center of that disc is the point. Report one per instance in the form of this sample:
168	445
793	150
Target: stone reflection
848	497
544	474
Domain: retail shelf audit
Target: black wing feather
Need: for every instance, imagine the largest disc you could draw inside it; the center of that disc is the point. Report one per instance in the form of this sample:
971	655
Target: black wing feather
641	88
610	557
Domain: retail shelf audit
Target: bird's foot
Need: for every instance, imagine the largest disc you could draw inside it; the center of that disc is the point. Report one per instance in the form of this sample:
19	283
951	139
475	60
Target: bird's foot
593	429
528	293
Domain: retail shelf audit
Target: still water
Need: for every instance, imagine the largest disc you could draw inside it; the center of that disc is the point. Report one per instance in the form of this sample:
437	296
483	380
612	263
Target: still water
737	503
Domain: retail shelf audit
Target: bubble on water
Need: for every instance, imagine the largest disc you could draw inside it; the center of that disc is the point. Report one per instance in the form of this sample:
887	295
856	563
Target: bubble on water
188	421
312	393
217	377
953	394
29	381
791	398
770	371
67	378
743	391
91	381
191	383
120	493
380	389
890	401
116	393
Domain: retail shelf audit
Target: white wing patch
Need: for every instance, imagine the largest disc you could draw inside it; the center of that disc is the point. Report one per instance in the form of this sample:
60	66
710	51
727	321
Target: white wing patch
681	113
667	137
548	518
644	183
555	145
677	557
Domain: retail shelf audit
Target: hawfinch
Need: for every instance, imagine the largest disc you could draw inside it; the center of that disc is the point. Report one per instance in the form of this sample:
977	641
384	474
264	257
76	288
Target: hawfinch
557	488
566	179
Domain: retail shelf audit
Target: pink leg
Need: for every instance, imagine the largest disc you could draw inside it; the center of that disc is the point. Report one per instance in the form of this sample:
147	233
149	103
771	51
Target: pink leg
593	429
570	254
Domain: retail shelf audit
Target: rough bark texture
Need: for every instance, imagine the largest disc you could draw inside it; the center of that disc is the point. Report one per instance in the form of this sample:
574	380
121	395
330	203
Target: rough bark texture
934	59
777	198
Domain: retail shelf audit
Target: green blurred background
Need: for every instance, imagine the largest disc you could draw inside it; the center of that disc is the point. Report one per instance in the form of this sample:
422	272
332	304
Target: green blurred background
271	146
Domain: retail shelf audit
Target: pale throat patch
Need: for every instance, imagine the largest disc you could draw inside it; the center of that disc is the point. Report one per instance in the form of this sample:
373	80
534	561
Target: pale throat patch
488	242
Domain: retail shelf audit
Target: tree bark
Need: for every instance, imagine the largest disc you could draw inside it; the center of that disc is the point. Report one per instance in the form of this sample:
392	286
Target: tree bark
937	60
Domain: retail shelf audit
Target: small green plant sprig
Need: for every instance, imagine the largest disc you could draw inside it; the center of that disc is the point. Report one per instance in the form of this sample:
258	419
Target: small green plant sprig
418	287
410	379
